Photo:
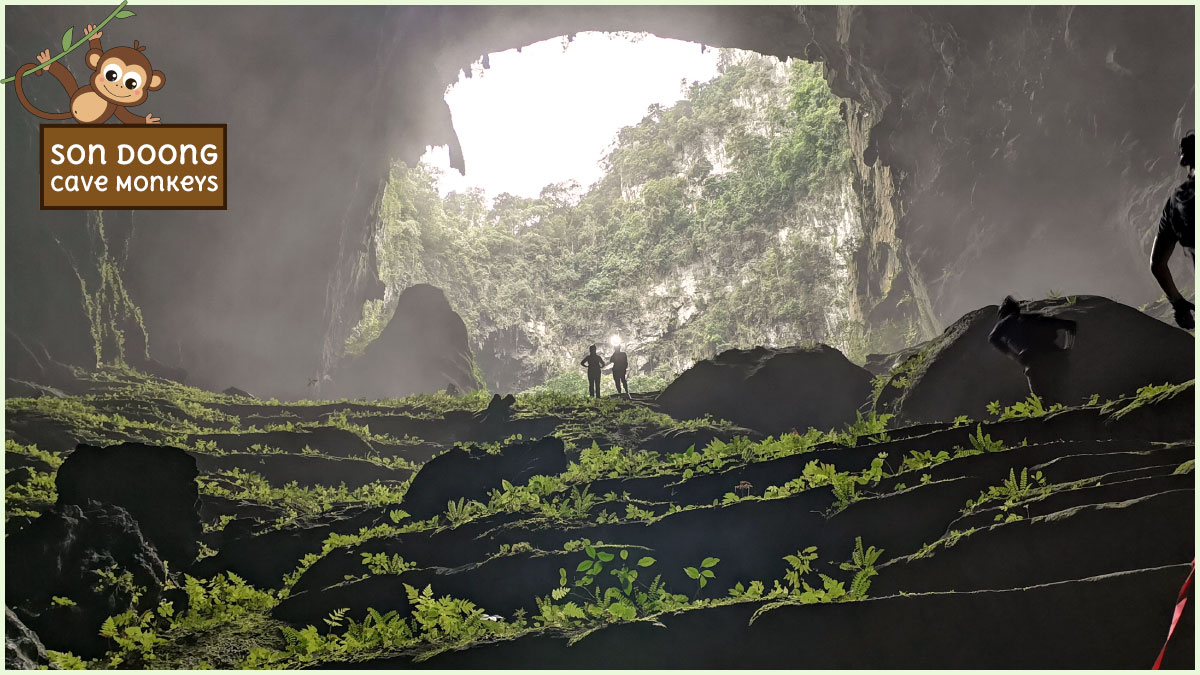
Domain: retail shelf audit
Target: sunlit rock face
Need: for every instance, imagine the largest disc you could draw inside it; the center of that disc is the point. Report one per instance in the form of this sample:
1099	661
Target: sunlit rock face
999	150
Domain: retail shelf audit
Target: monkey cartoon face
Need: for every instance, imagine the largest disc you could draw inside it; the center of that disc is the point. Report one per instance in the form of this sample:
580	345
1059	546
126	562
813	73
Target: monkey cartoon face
123	75
121	78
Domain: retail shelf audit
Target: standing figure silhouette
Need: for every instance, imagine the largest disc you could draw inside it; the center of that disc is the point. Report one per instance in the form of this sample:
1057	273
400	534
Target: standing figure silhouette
620	364
594	364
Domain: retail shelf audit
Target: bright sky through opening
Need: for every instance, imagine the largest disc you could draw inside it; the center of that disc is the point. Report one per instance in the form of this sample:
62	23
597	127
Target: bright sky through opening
546	115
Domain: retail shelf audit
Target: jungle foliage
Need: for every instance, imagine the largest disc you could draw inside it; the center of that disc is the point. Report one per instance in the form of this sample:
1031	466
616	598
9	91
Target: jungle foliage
666	245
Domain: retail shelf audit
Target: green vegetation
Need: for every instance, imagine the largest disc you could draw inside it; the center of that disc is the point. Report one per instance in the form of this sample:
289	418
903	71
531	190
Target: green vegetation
610	583
729	254
1013	491
1147	395
1030	407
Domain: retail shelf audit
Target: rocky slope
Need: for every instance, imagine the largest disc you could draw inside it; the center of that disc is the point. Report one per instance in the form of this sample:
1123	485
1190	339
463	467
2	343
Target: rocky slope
570	532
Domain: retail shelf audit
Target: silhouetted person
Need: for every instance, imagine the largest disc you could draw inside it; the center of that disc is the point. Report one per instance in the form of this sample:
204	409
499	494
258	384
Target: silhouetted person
620	364
451	390
1178	226
594	364
1038	343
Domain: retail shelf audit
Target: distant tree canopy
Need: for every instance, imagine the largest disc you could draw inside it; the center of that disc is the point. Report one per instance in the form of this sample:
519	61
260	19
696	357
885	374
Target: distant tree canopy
707	188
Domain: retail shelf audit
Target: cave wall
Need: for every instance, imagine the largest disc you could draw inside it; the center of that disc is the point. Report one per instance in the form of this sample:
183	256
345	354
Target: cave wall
982	135
1008	149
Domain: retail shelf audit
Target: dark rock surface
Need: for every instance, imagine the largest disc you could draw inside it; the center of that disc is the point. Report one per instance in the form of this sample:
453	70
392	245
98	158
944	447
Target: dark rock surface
470	472
498	411
59	553
18	475
1110	621
947	223
22	648
771	390
1117	350
422	349
156	485
1119	520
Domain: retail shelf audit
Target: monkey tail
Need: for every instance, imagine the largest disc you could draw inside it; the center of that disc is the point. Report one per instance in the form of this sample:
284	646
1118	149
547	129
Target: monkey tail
29	106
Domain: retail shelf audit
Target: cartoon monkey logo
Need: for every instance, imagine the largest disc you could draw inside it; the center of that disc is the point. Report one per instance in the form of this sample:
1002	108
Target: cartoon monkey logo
122	78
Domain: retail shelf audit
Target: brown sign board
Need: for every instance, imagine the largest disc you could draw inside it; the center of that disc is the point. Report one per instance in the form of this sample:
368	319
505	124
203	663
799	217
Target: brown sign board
143	167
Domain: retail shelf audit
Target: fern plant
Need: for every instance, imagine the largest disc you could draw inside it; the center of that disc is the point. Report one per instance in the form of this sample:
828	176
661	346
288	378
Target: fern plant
862	563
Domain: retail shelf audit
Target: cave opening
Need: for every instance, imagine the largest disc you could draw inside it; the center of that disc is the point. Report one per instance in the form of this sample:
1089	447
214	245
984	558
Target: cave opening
688	199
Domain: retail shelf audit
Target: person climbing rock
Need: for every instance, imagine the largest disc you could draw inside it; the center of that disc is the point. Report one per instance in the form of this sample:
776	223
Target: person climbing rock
1177	226
620	364
594	363
1039	344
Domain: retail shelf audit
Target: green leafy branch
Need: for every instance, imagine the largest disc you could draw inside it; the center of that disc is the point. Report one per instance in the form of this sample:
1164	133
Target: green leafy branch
119	13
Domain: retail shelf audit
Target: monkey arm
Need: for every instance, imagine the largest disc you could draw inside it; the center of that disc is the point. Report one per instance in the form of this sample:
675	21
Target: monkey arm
127	117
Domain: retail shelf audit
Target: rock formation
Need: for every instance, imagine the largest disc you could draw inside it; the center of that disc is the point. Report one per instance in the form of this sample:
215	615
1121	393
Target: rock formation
470	472
1117	349
155	485
422	349
80	553
771	390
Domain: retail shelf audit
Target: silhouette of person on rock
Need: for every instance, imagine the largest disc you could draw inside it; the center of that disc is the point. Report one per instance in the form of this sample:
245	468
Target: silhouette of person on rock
1178	226
620	364
1039	343
595	364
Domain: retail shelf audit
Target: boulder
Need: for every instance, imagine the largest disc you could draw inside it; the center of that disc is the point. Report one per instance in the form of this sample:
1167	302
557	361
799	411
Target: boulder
22	648
771	390
423	348
60	555
156	485
498	411
471	472
1117	349
17	475
234	391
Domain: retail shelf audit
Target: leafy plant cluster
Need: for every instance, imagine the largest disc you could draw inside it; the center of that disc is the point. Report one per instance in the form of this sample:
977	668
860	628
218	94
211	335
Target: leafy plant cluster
293	500
1031	407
